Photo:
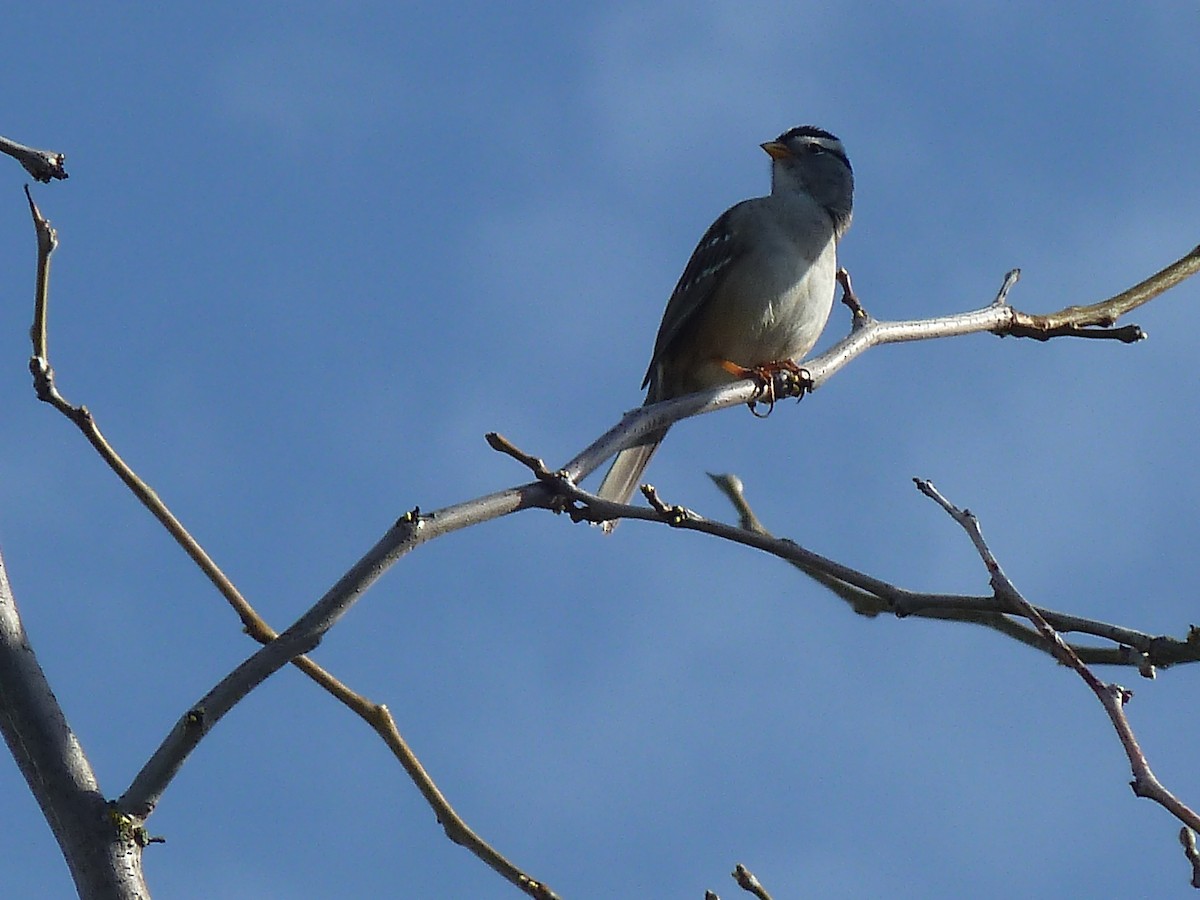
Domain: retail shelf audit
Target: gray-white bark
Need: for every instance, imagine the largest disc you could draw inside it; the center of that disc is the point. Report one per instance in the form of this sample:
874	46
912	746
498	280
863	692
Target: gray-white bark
104	857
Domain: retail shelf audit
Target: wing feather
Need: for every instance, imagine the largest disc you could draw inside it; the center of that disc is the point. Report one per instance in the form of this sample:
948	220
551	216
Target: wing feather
710	262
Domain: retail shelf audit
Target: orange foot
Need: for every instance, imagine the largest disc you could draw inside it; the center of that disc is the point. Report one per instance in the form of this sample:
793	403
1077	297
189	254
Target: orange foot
795	381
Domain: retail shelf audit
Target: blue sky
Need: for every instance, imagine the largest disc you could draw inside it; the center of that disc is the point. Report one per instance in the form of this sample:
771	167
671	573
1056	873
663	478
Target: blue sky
310	256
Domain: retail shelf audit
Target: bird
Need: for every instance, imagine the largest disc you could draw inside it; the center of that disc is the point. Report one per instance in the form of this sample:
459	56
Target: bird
757	291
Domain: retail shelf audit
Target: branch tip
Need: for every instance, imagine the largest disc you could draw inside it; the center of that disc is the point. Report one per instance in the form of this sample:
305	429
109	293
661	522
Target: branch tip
672	515
1187	838
42	165
748	882
535	464
850	299
1010	279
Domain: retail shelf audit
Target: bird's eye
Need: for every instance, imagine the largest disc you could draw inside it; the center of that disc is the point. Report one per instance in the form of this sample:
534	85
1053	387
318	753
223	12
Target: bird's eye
814	149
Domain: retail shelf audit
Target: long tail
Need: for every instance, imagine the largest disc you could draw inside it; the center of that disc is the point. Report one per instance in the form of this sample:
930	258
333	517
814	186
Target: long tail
626	472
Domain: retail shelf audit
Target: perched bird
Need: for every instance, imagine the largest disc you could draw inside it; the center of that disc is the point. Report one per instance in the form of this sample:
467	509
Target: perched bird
758	289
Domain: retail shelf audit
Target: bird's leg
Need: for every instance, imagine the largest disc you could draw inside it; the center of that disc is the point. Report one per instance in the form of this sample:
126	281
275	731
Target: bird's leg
795	380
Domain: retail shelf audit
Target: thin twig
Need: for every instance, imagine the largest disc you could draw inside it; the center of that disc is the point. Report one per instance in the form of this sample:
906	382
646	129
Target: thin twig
409	532
858	315
138	804
534	464
1010	280
1106	312
871	597
413	530
1187	838
1112	697
747	882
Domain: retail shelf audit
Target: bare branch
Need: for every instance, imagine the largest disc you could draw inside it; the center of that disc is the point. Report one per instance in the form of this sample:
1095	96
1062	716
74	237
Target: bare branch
548	492
1009	601
747	882
1076	320
195	723
104	860
870	597
534	464
866	594
408	533
1187	838
998	317
1112	696
43	165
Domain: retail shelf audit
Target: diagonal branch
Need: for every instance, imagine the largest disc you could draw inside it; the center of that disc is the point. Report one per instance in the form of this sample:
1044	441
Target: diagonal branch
1112	697
1133	648
42	165
548	492
408	533
1081	321
866	332
866	594
162	768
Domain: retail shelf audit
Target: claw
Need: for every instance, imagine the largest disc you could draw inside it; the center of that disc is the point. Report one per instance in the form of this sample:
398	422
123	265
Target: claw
765	376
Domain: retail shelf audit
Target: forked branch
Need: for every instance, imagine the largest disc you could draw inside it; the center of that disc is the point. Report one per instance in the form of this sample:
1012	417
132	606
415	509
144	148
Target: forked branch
143	794
1112	697
554	490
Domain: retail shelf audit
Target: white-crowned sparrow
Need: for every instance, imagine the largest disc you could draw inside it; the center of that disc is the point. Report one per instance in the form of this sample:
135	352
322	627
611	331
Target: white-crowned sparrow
758	288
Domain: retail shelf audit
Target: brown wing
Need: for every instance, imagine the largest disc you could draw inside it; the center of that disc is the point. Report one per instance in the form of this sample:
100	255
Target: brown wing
710	262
